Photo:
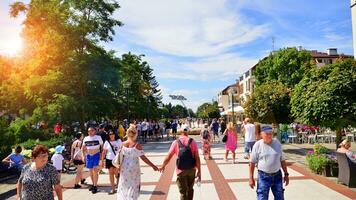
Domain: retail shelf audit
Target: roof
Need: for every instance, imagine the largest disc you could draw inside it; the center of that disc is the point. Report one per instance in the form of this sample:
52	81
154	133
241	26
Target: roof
317	54
225	90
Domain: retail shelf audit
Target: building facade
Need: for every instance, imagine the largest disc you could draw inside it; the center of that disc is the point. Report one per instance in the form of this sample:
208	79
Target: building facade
353	19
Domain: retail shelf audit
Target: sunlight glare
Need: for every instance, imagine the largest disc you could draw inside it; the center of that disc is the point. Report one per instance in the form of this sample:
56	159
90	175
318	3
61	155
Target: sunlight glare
11	46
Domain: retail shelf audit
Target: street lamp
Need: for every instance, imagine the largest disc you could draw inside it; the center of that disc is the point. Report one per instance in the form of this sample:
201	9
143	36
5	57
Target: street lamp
180	98
127	87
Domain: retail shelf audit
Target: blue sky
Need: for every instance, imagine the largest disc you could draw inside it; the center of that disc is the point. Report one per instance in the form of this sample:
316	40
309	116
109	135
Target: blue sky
198	47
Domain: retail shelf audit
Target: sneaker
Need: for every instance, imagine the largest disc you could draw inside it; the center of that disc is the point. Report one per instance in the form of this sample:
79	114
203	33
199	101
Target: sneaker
82	181
91	188
77	186
112	192
94	190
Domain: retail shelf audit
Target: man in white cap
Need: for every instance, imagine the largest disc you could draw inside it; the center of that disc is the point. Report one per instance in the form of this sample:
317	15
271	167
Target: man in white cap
188	162
267	155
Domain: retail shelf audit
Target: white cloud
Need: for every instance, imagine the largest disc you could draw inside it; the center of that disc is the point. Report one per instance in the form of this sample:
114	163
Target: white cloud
186	28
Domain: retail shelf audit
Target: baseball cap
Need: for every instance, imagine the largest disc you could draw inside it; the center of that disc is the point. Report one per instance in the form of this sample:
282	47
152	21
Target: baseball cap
266	129
59	149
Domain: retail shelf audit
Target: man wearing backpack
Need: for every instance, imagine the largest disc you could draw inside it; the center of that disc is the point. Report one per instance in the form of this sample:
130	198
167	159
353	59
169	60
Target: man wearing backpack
188	162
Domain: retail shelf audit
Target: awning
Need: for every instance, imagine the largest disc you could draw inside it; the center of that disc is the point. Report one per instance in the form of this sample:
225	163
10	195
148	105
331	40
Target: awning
237	110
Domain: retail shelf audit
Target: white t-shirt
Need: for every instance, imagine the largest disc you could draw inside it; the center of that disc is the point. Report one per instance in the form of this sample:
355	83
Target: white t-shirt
144	126
109	153
138	127
92	142
57	160
249	132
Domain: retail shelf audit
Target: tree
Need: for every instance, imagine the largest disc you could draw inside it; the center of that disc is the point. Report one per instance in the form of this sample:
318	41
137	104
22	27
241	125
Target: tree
270	103
208	110
144	95
286	66
327	97
63	57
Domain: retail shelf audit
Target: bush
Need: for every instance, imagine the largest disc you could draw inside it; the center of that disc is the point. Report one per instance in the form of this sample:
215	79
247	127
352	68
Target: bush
318	159
320	149
21	131
31	143
316	162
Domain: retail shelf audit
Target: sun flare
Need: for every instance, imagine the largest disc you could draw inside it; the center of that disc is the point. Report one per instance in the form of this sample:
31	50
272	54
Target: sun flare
11	46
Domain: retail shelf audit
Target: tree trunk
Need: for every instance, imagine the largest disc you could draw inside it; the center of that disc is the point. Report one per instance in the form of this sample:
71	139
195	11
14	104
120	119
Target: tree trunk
338	137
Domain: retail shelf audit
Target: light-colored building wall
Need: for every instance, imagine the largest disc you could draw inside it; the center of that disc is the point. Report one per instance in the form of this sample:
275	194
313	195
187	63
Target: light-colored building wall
353	18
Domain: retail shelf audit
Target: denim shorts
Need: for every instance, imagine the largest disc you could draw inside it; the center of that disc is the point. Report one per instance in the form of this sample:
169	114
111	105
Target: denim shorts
92	161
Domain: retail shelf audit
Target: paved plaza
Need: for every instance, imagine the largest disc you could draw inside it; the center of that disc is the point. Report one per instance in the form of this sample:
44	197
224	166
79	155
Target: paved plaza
220	180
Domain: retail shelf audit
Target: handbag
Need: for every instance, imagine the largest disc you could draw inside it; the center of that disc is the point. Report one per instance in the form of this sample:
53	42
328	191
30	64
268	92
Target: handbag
117	161
224	139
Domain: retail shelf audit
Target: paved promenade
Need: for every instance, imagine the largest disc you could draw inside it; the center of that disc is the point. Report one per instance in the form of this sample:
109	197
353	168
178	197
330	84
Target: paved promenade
220	180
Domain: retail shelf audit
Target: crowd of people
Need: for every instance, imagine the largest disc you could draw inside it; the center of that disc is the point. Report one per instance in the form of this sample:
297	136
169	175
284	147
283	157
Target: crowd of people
120	153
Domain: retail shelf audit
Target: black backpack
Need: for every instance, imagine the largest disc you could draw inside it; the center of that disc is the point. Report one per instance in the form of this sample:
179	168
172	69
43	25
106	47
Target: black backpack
206	134
185	158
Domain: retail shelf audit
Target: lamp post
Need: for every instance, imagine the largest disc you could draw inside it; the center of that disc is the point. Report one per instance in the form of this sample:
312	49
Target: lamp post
127	87
181	98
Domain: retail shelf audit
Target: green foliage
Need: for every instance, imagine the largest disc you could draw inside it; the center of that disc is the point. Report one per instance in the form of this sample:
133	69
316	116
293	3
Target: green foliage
270	103
286	66
21	131
53	142
208	110
327	96
317	162
320	149
318	159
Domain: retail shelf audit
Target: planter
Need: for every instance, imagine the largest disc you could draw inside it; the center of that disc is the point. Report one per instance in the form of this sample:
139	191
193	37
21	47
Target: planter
335	171
327	171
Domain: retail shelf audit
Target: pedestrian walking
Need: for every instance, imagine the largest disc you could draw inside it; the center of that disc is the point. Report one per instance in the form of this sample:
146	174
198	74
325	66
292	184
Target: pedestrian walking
39	178
250	137
102	132
77	159
129	166
231	143
267	154
188	162
92	145
57	159
174	125
110	150
222	126
215	129
205	137
144	128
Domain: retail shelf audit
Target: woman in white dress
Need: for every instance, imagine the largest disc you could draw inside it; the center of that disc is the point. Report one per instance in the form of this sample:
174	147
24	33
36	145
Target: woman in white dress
130	173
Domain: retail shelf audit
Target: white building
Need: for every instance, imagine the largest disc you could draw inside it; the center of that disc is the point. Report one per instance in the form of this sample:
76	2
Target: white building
353	17
229	103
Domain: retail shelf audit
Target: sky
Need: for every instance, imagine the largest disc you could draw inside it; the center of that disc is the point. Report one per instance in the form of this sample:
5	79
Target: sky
198	47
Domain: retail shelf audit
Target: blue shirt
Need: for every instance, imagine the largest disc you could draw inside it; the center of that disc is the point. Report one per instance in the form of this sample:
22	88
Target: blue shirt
215	127
17	159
